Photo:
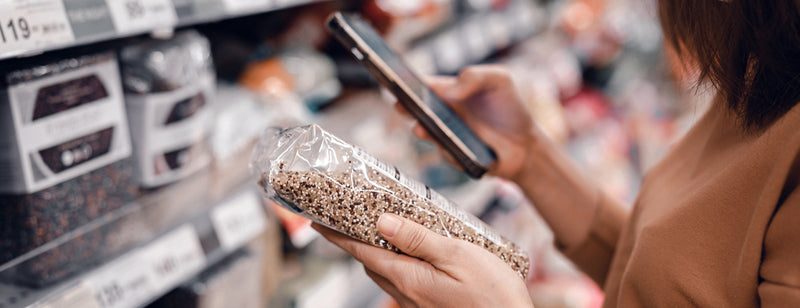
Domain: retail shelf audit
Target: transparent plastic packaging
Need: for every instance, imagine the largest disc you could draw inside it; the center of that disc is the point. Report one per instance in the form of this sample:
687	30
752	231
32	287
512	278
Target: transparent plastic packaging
319	176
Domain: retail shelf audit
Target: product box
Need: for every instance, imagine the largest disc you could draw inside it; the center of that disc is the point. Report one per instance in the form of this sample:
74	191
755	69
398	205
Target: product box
60	121
169	86
65	161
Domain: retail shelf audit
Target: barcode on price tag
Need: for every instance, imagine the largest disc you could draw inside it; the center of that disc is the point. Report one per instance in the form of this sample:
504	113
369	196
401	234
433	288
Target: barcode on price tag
132	16
174	258
242	6
32	24
238	220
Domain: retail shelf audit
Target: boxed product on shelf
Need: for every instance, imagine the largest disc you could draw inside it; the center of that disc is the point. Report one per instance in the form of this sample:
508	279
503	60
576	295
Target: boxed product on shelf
168	87
233	282
66	159
60	120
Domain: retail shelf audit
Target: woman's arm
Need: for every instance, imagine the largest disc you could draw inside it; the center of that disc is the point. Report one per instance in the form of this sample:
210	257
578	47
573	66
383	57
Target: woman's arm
585	222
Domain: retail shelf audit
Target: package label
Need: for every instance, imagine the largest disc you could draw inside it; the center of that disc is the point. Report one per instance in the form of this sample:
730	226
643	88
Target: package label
424	192
64	125
170	131
32	24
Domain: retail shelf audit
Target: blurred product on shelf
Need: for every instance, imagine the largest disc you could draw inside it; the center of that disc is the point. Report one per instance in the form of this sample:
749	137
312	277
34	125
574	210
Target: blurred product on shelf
169	85
303	72
402	21
61	120
66	142
233	282
473	37
239	118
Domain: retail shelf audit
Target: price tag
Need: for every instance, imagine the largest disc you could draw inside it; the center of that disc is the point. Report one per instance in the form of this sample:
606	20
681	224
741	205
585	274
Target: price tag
122	283
238	220
173	258
32	24
133	16
79	296
242	6
149	271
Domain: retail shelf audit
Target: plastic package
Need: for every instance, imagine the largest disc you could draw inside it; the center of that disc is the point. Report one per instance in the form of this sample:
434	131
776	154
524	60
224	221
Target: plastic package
323	178
168	87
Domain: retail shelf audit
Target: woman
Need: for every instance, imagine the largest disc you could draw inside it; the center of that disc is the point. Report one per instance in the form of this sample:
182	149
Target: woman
717	222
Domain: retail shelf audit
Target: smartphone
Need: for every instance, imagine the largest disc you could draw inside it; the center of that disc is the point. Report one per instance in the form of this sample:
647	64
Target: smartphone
441	122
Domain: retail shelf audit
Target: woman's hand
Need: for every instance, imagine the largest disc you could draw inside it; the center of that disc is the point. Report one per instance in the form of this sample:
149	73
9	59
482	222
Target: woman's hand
485	98
435	271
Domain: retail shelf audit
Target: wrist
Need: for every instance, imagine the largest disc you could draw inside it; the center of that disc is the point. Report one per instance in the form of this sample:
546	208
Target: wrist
535	148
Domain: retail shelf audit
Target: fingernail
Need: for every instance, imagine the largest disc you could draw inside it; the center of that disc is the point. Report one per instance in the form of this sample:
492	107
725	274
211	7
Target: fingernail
388	225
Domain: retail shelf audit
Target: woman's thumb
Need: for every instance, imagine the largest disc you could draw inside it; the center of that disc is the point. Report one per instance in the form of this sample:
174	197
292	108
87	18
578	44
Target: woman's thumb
411	238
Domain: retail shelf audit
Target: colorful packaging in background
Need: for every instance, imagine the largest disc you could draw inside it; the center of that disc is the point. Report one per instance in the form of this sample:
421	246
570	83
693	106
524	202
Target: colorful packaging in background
323	178
169	85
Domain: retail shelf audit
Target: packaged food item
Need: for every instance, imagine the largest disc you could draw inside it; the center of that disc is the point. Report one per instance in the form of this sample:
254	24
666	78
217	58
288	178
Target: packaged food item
168	86
65	159
329	181
59	121
233	282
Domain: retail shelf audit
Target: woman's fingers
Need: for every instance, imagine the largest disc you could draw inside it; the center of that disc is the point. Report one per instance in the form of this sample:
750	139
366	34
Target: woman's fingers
390	289
414	239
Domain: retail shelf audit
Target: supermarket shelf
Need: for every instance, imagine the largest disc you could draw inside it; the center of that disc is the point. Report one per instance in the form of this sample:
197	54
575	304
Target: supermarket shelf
474	38
30	27
149	271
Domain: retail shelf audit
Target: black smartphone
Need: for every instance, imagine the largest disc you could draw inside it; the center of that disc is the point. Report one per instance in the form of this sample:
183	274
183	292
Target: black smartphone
368	47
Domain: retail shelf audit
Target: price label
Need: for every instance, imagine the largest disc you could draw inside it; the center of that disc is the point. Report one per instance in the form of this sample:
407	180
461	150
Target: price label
122	283
79	296
174	258
133	16
242	6
148	271
238	220
32	24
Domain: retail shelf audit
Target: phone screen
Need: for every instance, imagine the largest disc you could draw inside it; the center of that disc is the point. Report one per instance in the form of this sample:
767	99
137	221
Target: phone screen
480	155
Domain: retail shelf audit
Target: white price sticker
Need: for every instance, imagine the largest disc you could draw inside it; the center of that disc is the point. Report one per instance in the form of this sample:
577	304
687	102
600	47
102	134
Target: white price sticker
241	6
174	258
78	296
121	284
32	24
132	16
239	220
148	271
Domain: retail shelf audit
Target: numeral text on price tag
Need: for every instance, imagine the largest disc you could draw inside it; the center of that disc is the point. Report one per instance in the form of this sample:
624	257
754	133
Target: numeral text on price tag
132	16
238	220
32	24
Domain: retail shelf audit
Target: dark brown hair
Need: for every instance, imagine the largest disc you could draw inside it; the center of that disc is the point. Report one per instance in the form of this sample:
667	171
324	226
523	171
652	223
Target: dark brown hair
749	50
